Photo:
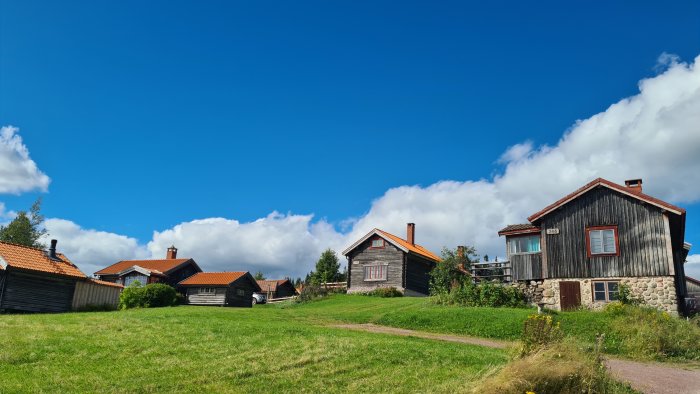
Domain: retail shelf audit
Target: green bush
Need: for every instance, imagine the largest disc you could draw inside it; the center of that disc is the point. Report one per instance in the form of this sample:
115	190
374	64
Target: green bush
539	331
311	292
625	295
483	294
150	296
385	292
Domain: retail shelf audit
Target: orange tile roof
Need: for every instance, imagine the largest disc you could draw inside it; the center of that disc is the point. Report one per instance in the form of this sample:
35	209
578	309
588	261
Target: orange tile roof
271	284
415	248
212	278
105	283
24	257
513	229
612	185
157	266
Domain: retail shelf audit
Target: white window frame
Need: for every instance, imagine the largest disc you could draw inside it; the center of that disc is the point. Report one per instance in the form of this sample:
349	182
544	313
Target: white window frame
380	240
598	239
375	272
207	290
513	243
606	291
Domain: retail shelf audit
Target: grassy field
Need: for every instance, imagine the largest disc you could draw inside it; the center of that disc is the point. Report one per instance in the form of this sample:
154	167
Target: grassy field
204	349
284	348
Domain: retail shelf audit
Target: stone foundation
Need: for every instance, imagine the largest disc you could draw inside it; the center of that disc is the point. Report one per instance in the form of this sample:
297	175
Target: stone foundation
656	291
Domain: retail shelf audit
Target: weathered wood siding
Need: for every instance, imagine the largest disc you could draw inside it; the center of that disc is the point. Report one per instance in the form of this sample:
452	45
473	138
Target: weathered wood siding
418	274
526	266
245	300
91	293
285	290
641	232
181	274
364	255
693	288
34	292
217	298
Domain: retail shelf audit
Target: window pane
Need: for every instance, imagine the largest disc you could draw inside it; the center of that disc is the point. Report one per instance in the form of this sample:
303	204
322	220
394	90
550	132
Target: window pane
599	295
612	286
609	241
596	240
599	286
377	243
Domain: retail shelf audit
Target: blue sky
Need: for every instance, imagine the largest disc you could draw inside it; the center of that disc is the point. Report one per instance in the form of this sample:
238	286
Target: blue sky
148	115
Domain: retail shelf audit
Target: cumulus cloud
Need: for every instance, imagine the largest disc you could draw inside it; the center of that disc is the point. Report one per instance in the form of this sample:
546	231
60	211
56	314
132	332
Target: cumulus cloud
652	135
692	266
18	172
92	250
278	244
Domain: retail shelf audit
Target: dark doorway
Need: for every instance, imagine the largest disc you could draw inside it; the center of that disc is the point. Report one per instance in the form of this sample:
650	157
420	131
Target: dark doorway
569	295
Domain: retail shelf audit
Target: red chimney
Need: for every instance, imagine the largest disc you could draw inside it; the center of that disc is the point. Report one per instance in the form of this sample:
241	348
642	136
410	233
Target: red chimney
635	185
411	233
172	253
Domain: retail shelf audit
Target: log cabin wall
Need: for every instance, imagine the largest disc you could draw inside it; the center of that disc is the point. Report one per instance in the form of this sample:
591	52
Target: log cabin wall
194	297
641	233
240	293
36	292
418	274
364	255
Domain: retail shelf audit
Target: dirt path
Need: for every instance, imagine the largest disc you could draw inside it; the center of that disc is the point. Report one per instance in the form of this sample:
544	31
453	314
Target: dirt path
649	378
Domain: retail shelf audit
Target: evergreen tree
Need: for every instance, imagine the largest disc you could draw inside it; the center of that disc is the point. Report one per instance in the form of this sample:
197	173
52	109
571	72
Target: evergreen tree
25	229
259	276
327	268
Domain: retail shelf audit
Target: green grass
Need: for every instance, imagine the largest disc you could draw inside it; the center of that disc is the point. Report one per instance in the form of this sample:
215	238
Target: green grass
209	349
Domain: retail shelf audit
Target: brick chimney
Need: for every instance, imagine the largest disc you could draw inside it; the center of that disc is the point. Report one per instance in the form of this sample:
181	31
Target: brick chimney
635	185
411	233
172	253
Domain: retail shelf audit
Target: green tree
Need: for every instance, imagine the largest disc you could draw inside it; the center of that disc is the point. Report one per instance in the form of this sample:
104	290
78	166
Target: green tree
259	276
449	270
26	228
327	268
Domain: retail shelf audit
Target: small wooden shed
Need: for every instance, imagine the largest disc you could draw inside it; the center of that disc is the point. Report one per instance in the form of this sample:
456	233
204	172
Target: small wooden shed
277	288
36	280
220	289
96	293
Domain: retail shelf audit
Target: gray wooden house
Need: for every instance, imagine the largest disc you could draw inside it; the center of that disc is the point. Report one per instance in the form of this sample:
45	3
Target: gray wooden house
220	289
578	250
170	270
35	280
381	259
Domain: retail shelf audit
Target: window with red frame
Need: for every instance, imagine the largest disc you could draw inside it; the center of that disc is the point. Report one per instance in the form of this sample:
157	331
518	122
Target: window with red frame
375	272
602	241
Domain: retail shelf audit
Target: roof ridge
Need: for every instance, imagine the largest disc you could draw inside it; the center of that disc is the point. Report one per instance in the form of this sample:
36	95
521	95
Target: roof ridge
23	246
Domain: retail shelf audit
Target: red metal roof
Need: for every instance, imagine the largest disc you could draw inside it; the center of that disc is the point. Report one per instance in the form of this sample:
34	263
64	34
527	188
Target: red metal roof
24	257
157	266
513	229
212	278
632	192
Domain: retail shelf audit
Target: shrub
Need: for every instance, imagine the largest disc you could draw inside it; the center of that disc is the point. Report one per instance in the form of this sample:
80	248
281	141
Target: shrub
385	292
486	294
311	292
150	296
561	367
539	331
625	295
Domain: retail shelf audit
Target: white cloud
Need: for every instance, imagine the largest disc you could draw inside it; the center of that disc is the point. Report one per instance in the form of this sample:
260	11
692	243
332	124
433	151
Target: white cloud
92	250
18	172
653	135
278	244
692	266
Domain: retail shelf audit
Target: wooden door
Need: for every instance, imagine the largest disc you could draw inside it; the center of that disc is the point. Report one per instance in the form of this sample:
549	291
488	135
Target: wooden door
569	295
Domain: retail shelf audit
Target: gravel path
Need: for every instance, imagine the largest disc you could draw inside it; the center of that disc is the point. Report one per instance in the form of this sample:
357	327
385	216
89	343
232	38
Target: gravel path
649	378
